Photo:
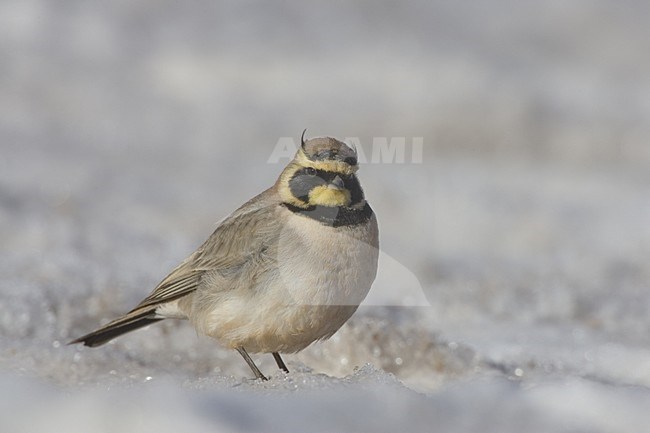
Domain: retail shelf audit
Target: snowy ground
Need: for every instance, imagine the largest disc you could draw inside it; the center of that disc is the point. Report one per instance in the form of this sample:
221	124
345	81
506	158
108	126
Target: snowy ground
514	293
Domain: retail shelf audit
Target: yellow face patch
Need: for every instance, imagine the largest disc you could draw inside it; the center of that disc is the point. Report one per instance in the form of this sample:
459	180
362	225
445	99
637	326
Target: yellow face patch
320	195
327	196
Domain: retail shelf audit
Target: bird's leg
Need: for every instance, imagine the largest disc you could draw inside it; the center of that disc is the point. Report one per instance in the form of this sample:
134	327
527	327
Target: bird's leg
280	362
251	364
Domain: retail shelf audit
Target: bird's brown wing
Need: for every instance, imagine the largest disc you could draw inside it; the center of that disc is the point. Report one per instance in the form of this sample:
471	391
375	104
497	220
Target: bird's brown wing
243	236
238	239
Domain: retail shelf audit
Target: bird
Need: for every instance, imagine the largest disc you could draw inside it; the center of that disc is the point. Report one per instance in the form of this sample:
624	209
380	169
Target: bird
287	268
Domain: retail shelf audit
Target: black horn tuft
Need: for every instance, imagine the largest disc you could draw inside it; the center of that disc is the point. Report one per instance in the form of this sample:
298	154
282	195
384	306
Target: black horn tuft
302	139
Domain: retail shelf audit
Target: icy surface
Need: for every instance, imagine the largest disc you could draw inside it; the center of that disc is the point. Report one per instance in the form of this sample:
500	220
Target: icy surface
514	294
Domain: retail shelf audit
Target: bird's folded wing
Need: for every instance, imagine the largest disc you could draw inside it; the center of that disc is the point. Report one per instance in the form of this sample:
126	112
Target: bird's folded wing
240	238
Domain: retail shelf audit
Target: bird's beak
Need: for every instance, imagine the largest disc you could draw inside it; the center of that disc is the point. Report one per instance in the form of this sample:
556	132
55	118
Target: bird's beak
337	184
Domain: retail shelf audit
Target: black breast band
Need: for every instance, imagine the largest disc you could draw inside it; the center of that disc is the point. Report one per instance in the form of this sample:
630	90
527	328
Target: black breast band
334	216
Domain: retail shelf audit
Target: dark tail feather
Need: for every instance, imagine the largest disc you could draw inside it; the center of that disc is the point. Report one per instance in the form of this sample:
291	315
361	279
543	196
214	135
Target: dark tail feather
116	328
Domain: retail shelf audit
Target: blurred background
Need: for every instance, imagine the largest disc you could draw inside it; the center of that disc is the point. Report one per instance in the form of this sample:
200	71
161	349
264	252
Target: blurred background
129	128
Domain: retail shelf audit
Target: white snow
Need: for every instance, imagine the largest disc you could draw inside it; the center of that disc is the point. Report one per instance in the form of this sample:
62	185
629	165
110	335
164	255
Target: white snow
514	293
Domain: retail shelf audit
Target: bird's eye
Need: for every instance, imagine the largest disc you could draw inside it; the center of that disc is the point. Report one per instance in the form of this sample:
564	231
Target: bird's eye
310	171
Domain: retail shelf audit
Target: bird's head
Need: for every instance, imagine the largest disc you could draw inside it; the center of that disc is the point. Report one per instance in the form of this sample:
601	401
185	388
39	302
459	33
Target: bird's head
322	174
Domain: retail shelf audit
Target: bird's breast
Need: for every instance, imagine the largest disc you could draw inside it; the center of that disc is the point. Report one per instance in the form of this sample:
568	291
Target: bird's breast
321	265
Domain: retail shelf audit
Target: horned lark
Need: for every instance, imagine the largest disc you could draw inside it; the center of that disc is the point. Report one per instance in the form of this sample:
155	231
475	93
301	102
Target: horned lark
287	268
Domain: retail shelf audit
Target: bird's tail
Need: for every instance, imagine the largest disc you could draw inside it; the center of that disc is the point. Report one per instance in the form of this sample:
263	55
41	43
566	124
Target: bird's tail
127	323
